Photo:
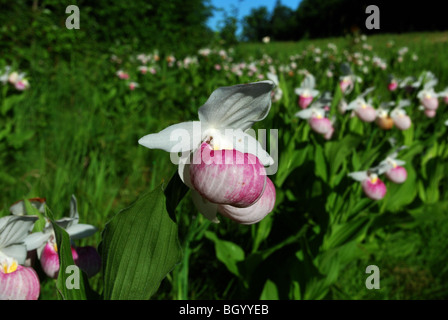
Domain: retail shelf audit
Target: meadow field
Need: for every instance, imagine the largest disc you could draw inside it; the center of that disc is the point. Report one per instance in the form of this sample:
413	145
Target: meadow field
72	128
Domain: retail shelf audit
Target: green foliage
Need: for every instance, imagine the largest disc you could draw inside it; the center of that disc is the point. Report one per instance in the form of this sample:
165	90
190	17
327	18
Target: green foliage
139	247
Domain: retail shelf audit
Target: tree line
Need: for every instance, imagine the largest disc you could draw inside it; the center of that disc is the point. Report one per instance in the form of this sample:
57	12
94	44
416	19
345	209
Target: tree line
332	18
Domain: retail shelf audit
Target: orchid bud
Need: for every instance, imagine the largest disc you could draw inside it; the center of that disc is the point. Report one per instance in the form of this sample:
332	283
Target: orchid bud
18	282
254	213
88	260
374	188
227	176
49	259
397	174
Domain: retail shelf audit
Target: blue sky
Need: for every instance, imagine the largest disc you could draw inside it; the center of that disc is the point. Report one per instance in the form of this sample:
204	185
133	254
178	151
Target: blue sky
244	7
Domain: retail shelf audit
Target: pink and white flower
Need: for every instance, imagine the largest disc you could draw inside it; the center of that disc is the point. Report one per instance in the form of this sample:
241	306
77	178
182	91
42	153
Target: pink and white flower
306	91
393	169
44	242
362	108
221	133
428	97
122	74
401	120
17	282
316	116
373	187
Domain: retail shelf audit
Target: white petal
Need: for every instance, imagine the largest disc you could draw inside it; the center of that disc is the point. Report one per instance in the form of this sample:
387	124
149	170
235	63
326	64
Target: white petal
36	239
14	229
299	91
17	251
273	77
246	143
309	82
19	209
206	208
353	105
314	93
367	91
73	211
305	114
237	107
176	138
184	170
79	231
359	175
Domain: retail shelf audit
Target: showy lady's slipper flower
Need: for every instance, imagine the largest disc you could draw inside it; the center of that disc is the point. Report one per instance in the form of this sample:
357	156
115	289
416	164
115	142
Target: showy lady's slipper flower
428	97
399	116
306	92
218	144
45	241
143	69
372	186
18	80
348	79
277	93
393	169
133	85
122	75
22	83
316	116
16	281
393	84
383	120
362	108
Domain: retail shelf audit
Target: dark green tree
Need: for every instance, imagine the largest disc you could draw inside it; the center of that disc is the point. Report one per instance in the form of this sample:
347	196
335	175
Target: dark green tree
257	24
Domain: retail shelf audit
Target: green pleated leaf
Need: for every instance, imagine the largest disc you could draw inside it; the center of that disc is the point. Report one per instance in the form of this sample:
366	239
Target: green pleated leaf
71	282
140	245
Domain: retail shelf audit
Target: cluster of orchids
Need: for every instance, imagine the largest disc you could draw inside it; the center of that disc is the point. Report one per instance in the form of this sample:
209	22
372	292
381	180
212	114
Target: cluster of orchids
373	187
427	97
222	164
387	115
17	79
21	249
